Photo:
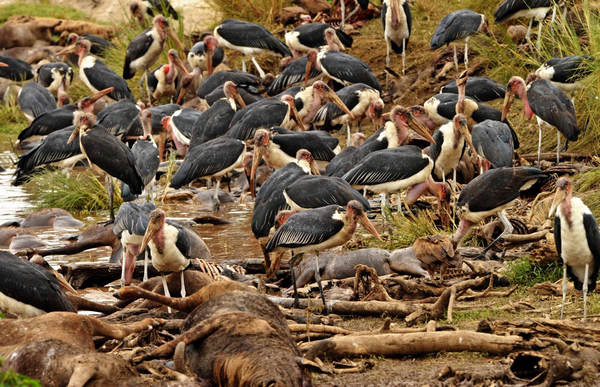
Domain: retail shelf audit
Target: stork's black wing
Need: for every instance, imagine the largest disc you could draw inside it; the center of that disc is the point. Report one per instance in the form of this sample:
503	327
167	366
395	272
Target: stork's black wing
320	191
117	118
102	77
49	122
454	26
17	69
220	77
493	140
246	34
552	105
292	143
35	100
136	49
132	217
263	114
213	123
349	69
293	73
569	69
481	89
387	165
593	238
509	7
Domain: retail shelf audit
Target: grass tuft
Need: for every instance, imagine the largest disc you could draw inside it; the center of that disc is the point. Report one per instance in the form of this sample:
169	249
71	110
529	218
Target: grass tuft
524	272
406	230
82	193
256	11
47	10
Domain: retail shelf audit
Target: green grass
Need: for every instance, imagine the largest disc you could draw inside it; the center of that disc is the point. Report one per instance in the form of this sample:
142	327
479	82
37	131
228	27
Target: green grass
256	11
524	272
10	378
45	9
82	193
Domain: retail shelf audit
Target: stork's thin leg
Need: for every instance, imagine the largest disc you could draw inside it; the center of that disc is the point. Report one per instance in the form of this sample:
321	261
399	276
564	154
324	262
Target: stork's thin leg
528	34
123	250
356	8
244	63
508	229
182	292
261	73
293	273
147	86
110	189
365	191
348	134
343	9
552	19
455	58
166	290
387	53
403	56
539	35
318	279
564	291
557	147
585	291
217	202
467	52
383	207
539	143
145	265
454	187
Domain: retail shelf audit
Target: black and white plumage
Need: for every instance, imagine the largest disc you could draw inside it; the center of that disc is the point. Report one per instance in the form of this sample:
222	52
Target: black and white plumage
250	39
264	114
35	100
214	158
29	290
57	78
215	121
397	25
218	79
493	143
320	191
139	9
53	149
343	68
549	104
491	194
197	57
577	240
49	122
449	146
180	127
163	80
15	69
248	94
99	45
95	74
312	35
458	25
532	9
318	229
567	72
107	153
293	73
480	89
441	108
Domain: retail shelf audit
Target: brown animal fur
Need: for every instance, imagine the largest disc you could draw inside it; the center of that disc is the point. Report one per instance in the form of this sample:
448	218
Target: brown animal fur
59	25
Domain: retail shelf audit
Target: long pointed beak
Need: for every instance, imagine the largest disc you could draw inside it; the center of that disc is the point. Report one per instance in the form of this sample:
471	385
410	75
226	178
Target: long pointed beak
337	41
366	223
2	64
238	97
309	66
150	231
558	198
67	50
296	117
256	157
508	96
209	61
179	63
333	97
174	37
314	168
464	130
73	135
96	96
421	129
182	91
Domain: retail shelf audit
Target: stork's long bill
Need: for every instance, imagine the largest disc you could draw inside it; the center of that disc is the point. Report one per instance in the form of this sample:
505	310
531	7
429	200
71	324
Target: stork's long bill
516	86
563	191
460	122
357	213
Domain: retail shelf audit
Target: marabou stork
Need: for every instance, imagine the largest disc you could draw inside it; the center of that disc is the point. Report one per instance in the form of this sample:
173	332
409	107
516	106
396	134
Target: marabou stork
549	104
324	191
99	44
493	143
162	80
342	68
218	79
264	114
215	121
249	39
107	153
118	117
457	25
15	69
313	35
146	156
293	73
480	89
59	118
214	158
35	100
141	8
491	194
57	78
310	99
449	145
29	290
396	169
145	49
130	226
278	150
159	112
361	99
397	25
95	74
206	55
577	240
532	9
180	127
52	149
319	229
248	94
391	135
567	72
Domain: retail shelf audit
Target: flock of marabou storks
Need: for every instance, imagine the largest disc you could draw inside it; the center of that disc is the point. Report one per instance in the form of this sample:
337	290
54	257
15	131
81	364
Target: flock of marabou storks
316	195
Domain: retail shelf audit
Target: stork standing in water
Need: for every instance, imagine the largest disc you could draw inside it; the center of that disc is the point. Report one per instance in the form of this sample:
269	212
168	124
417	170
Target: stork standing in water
457	25
397	25
107	153
532	9
250	39
550	105
145	49
577	241
492	193
95	74
319	229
